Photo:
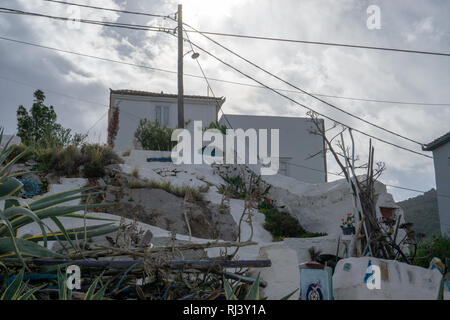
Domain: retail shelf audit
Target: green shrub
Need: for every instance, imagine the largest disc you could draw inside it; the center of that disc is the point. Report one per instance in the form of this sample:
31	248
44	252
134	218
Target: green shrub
95	158
427	250
152	136
66	161
282	225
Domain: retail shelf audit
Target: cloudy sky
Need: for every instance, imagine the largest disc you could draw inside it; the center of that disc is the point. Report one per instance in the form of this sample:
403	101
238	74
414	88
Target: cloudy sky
78	87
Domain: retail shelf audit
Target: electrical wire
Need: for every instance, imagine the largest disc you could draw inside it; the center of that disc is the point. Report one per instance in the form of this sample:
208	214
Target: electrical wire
306	92
272	88
110	9
306	107
87	21
257	37
324	43
222	80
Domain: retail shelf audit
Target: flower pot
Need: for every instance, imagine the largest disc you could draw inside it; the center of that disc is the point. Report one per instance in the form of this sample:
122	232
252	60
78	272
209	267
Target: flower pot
348	230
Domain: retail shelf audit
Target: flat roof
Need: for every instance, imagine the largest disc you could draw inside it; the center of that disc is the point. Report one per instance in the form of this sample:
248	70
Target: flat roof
436	143
164	95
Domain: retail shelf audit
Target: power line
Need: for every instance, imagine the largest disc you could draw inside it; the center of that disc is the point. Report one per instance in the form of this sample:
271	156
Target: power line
54	92
94	57
258	37
342	176
147	28
110	9
220	80
324	43
306	107
305	92
98	120
274	90
93	22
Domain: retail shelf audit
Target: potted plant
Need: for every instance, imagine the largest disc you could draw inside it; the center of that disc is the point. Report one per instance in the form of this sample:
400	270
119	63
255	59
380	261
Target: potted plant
347	224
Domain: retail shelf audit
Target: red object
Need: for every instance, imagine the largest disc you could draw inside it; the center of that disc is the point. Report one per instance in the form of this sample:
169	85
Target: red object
387	213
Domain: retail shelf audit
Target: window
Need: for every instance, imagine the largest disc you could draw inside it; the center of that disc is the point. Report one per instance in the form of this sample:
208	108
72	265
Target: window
162	115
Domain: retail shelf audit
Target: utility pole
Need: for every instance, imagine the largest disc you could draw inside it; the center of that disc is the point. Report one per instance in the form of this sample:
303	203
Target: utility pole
180	68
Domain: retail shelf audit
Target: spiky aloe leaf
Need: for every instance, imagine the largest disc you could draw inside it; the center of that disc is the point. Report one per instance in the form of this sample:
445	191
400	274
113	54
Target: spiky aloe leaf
229	293
9	186
56	201
58	211
30	293
34	205
253	293
88	217
8	246
5	154
13	290
289	295
12	239
77	233
4	170
63	292
14	211
90	293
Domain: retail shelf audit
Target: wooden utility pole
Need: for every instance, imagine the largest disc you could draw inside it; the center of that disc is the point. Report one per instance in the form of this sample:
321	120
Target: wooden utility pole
180	68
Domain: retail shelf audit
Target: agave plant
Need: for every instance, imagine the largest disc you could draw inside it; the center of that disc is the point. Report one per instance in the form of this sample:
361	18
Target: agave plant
15	215
252	294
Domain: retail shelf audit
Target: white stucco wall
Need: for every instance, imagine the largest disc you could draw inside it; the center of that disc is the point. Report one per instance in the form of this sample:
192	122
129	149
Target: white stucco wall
441	157
133	108
398	281
296	143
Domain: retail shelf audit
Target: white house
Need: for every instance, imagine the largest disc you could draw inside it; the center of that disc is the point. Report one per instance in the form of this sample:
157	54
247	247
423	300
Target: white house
301	152
441	156
129	106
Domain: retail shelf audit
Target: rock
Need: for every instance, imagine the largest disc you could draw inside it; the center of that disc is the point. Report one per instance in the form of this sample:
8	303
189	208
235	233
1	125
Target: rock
163	209
52	178
101	183
113	167
31	163
397	280
20	167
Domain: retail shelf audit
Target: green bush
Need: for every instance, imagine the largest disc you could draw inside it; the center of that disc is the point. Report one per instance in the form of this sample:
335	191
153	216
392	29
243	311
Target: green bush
152	136
66	161
95	158
282	225
427	250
